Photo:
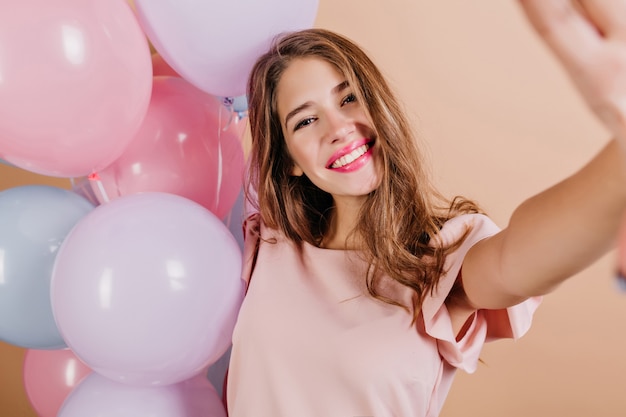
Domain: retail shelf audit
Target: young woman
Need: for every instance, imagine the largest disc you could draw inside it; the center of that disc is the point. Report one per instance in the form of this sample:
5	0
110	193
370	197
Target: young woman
366	288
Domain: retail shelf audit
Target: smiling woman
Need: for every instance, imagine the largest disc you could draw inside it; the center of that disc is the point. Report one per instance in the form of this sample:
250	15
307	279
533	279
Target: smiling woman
367	289
501	123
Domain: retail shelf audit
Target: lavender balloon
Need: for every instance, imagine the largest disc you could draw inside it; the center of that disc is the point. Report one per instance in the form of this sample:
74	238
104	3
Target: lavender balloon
214	44
98	396
146	289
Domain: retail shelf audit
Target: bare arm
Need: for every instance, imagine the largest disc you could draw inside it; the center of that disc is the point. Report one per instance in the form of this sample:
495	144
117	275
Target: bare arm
562	230
550	236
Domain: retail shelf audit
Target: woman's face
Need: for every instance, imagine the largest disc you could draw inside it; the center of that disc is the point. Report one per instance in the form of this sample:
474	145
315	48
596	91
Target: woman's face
326	130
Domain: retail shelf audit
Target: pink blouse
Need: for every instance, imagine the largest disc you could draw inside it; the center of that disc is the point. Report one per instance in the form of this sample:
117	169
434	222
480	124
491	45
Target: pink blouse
310	341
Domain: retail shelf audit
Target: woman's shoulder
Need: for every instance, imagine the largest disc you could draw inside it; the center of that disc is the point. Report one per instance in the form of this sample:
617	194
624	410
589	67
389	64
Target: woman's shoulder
254	227
472	225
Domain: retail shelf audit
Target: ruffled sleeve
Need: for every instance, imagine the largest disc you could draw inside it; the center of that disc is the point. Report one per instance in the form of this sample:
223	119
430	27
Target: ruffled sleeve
486	325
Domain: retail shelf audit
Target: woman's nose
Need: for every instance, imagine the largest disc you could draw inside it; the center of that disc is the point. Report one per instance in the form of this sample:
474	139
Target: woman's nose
338	126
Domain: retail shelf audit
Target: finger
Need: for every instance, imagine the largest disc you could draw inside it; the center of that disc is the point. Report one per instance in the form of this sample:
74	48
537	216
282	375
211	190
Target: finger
591	17
570	34
609	16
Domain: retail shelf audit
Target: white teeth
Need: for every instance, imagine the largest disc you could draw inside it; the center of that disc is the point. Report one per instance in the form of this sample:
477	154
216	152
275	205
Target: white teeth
351	157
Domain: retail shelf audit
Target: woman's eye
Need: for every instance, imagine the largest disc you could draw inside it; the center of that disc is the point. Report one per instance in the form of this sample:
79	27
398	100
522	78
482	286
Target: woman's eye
304	122
348	99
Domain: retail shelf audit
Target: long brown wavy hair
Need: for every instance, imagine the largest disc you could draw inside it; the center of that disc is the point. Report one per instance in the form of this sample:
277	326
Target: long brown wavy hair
398	218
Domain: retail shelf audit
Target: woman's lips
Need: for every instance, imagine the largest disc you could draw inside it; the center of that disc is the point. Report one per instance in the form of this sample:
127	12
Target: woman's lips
348	154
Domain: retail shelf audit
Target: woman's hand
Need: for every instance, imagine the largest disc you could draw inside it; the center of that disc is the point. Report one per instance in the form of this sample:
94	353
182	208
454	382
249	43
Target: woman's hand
589	39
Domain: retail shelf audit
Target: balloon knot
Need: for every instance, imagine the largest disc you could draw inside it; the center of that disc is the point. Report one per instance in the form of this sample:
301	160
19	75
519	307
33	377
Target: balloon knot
228	102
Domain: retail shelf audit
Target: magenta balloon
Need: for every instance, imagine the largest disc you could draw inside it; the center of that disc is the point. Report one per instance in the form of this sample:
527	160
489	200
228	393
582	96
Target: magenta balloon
75	80
146	289
213	44
188	145
49	377
98	396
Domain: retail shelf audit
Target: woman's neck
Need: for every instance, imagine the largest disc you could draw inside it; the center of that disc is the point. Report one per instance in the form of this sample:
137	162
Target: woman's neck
343	222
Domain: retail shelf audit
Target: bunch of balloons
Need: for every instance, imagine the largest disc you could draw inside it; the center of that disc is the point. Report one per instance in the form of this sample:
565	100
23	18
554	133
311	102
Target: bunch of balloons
125	289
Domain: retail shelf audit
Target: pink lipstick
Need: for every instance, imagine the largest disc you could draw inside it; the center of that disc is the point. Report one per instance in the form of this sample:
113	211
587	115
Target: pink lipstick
351	157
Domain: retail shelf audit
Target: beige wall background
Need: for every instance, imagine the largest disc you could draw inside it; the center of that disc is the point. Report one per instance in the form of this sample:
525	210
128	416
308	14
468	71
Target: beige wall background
500	122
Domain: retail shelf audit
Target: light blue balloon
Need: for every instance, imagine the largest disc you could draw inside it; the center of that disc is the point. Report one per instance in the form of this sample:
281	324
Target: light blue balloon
34	220
238	105
216	374
234	220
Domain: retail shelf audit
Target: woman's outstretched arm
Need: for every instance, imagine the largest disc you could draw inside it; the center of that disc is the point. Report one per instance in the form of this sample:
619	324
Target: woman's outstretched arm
565	228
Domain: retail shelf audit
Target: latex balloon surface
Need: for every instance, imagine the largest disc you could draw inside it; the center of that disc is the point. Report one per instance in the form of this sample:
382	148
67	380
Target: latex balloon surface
34	221
146	289
214	44
75	81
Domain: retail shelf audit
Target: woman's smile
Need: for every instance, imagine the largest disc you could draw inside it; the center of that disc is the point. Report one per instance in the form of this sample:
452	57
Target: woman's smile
351	157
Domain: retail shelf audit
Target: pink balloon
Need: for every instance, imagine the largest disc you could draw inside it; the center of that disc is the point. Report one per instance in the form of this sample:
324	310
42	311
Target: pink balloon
49	377
101	397
160	67
213	44
75	80
188	144
146	288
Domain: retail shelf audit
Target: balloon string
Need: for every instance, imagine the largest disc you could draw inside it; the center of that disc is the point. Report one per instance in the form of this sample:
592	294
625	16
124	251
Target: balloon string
219	156
228	103
229	219
96	178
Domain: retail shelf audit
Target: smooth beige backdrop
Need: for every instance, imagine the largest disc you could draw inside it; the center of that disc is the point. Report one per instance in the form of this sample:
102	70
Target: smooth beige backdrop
500	122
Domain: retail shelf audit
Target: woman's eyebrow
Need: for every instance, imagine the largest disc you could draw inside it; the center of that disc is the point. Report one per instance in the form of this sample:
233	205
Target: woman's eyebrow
336	89
341	86
297	110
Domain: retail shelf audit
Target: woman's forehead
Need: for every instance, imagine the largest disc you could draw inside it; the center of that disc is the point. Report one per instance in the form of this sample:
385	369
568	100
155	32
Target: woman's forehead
308	79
